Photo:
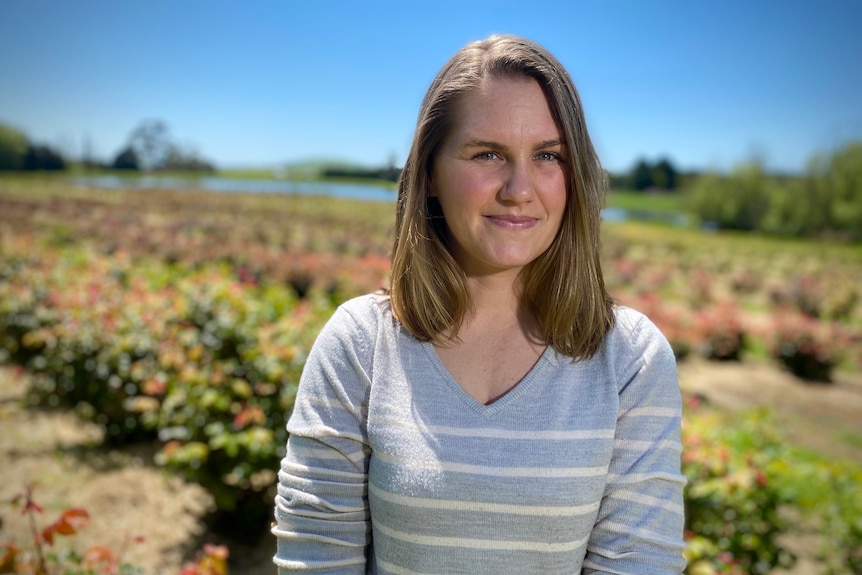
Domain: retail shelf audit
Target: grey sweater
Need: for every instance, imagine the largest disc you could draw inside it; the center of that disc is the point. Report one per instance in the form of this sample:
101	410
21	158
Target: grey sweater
391	467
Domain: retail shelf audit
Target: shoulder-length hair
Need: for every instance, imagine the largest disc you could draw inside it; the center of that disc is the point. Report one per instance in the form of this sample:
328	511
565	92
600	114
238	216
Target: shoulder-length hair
563	287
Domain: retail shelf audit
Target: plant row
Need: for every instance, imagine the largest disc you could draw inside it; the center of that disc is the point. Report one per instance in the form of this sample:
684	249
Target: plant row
203	363
808	348
342	246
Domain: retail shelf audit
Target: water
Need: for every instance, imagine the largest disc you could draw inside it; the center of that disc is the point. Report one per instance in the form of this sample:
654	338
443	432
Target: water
624	215
335	189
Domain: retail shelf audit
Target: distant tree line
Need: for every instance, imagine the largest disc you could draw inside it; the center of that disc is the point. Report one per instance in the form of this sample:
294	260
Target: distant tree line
17	152
149	148
824	201
388	174
661	175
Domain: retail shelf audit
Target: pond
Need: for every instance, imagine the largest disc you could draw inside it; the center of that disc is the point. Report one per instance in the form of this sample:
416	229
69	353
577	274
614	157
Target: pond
215	184
357	191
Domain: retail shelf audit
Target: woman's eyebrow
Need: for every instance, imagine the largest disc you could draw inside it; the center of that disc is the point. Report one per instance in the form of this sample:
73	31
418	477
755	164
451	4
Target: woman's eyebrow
549	144
485	144
498	146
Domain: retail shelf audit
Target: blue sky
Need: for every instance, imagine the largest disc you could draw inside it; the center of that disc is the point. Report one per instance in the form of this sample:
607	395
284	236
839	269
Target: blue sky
253	83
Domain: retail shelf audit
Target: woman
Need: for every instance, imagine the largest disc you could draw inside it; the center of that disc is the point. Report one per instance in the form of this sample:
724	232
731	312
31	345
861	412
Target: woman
494	412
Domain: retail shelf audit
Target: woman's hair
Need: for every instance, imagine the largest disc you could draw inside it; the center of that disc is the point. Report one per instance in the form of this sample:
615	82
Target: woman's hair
563	287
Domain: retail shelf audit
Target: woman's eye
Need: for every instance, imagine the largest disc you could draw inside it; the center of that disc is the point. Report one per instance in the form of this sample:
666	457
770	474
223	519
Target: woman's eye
486	156
548	157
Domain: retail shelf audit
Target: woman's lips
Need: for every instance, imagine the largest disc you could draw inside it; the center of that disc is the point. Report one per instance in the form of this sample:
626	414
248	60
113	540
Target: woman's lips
513	222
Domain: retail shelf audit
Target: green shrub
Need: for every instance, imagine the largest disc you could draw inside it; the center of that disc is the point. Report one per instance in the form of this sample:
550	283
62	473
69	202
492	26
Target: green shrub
738	201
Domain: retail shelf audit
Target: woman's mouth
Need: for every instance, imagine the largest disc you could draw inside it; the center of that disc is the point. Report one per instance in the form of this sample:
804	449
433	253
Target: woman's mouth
513	222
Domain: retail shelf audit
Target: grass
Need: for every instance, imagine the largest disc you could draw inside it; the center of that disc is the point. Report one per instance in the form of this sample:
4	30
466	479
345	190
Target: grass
852	438
654	202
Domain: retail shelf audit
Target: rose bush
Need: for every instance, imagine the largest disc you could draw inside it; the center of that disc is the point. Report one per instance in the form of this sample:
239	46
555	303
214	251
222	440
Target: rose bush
810	349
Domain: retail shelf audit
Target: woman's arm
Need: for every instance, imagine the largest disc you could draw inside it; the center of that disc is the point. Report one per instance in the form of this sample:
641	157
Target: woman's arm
640	524
321	509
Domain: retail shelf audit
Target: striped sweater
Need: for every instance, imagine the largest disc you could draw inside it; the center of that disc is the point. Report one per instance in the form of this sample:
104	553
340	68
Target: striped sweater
392	468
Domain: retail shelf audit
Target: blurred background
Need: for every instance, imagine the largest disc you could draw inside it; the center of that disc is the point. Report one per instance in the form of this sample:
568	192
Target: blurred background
188	189
270	84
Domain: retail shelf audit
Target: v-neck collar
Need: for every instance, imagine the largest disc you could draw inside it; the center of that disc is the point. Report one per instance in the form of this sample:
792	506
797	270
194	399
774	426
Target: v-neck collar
523	386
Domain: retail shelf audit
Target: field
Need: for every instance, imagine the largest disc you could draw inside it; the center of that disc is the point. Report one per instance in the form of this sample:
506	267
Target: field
119	303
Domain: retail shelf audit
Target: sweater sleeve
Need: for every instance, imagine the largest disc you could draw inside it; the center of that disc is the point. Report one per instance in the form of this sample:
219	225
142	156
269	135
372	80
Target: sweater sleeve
321	507
640	524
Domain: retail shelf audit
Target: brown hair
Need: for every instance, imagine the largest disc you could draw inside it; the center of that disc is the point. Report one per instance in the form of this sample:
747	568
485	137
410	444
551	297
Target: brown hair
564	286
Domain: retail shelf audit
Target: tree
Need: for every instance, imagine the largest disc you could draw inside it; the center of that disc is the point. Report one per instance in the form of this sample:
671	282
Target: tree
186	161
738	201
13	148
127	159
661	175
43	158
664	175
151	144
150	147
641	176
844	180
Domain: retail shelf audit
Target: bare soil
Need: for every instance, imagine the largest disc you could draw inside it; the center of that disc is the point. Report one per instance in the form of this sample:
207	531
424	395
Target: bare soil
128	497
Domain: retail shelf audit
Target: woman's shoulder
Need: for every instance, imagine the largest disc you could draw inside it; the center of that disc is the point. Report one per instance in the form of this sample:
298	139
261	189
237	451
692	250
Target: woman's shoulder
353	329
373	307
633	329
361	317
628	318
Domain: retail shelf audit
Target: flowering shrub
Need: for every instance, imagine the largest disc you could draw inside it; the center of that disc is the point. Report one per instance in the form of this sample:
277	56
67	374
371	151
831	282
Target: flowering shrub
745	280
40	558
730	500
722	332
701	285
747	489
808	348
204	363
717	332
211	560
703	557
829	296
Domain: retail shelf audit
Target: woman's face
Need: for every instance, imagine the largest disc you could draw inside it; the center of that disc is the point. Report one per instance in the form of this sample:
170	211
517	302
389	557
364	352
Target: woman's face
500	178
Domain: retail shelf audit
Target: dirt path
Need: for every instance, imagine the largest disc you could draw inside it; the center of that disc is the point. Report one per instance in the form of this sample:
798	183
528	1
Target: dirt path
822	417
127	497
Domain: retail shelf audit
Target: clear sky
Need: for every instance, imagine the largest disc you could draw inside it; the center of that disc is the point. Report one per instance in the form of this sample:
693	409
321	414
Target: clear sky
255	83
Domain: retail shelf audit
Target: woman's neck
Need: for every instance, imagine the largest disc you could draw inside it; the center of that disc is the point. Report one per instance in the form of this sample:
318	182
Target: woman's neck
494	294
496	308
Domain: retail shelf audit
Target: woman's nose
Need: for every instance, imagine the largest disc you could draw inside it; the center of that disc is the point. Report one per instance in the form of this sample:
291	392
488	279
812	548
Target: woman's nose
518	185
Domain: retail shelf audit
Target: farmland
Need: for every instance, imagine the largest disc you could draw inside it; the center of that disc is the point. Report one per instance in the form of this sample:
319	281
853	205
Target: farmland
173	326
